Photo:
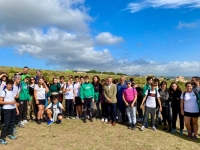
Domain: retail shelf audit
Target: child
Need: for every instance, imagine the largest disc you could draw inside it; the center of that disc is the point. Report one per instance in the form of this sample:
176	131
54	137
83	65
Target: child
104	104
7	99
54	111
150	98
79	104
129	96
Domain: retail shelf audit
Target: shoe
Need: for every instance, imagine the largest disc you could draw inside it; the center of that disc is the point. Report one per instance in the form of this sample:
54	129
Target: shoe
84	120
12	137
109	122
91	120
146	125
39	122
67	118
20	125
77	117
154	128
88	117
194	137
15	130
181	132
24	121
3	142
133	127
130	125
102	119
164	129
114	124
49	122
142	128
170	130
173	131
189	135
106	120
72	118
59	121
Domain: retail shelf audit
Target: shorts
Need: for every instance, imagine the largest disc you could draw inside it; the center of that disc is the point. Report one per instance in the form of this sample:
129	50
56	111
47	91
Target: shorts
78	101
192	115
41	101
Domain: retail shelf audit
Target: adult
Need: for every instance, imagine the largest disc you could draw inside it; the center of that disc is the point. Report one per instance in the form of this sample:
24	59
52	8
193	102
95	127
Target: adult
25	73
190	110
110	92
97	93
121	86
38	75
174	96
164	97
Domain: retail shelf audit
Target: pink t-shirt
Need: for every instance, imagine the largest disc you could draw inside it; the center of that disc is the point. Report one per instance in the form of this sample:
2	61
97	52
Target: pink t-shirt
129	94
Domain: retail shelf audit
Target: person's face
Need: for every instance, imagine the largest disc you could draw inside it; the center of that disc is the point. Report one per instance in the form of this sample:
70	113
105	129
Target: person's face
9	86
129	84
153	87
18	80
55	81
174	87
26	80
55	101
194	81
32	80
25	70
164	86
122	79
41	81
13	79
109	81
38	73
62	80
82	80
150	81
86	80
95	79
189	88
103	82
70	81
3	78
77	79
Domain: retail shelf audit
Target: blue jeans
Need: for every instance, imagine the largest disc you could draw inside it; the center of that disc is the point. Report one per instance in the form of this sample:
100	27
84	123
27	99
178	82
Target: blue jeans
112	111
131	113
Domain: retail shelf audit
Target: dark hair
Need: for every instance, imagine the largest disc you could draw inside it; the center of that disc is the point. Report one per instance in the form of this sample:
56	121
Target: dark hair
178	87
5	77
187	83
81	77
9	82
132	79
98	79
25	67
103	80
76	77
54	97
196	77
115	81
154	84
62	77
149	78
157	80
163	82
86	77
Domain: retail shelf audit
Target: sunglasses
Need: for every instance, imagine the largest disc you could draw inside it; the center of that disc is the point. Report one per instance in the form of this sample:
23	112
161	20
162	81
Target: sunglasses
129	83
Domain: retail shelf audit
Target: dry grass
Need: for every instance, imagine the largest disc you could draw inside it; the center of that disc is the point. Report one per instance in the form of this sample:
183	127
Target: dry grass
75	135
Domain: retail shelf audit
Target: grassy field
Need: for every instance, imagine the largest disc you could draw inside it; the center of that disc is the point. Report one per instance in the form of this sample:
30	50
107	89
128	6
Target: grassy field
75	135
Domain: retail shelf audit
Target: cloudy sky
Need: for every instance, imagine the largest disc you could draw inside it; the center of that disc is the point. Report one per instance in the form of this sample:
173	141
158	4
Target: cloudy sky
145	36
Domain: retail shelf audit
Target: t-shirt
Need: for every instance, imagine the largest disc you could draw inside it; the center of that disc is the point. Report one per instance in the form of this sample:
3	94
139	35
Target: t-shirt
151	98
55	108
16	89
61	86
40	92
69	94
3	84
77	89
8	97
190	102
129	94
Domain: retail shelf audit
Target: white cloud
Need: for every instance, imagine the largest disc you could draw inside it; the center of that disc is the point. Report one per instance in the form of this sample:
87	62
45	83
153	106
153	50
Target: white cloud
106	38
135	7
188	25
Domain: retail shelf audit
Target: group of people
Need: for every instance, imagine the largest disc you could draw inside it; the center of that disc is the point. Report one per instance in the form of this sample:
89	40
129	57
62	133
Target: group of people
24	98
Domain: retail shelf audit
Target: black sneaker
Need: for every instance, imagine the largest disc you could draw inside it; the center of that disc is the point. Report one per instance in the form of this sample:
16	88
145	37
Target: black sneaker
170	130
133	127
84	120
165	129
129	126
38	121
91	120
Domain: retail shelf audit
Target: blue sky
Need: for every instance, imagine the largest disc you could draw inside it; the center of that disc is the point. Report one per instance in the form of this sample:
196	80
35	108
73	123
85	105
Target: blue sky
150	36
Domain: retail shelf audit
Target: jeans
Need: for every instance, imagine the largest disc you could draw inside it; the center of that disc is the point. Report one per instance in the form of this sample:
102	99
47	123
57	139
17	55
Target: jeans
104	110
112	112
131	113
9	122
69	107
166	116
122	112
146	115
23	110
140	114
176	112
87	106
98	107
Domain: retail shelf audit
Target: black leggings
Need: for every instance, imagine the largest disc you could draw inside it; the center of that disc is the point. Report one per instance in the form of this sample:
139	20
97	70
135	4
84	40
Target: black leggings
23	108
176	112
146	115
69	107
166	116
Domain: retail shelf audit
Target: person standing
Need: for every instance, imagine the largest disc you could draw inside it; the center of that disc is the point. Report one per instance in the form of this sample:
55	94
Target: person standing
79	104
110	92
25	73
38	75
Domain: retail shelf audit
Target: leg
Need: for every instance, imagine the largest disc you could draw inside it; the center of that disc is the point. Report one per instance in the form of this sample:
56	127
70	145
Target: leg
85	109
25	110
49	113
98	108
89	102
21	105
195	125
39	112
7	117
174	118
60	117
128	111
139	110
187	123
109	112
134	115
152	112
146	113
114	112
42	111
181	118
71	106
67	107
164	116
12	122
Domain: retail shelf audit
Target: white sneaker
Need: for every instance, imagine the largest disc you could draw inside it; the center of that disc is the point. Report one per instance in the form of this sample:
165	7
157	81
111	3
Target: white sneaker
24	121
88	117
106	120
154	129
102	119
142	128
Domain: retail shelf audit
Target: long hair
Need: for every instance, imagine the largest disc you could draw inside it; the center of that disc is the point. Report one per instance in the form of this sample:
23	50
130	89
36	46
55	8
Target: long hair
98	79
41	85
170	88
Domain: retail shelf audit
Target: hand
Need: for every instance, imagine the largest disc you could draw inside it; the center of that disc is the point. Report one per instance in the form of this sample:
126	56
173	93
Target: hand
182	112
82	101
126	104
48	98
37	102
73	100
141	106
17	112
12	102
132	105
160	109
93	100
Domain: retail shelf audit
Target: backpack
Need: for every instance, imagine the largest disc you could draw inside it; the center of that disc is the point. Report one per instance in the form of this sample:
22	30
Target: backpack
155	96
52	104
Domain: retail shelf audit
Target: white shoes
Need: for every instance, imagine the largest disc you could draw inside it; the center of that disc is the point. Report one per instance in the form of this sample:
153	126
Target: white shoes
24	122
142	128
102	119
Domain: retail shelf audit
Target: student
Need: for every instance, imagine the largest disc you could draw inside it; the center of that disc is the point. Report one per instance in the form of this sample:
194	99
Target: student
104	109
7	99
32	110
54	89
164	97
68	90
24	98
87	96
97	93
54	111
174	95
129	96
139	102
190	110
62	84
150	105
110	91
77	98
40	90
120	103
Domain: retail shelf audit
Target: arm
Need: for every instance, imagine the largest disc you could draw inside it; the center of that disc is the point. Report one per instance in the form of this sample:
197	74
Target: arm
2	102
114	93
124	100
17	110
105	95
181	105
46	88
92	92
141	106
144	91
159	102
81	93
134	101
35	96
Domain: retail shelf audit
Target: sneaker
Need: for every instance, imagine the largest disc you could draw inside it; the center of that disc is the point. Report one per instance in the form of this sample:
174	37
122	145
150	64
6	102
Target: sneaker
154	128
173	131
12	137
170	130
39	122
49	122
189	135
130	125
146	125
106	120
91	120
59	122
24	121
165	128
67	118
142	128
72	118
102	119
15	130
3	142
181	132
77	117
133	127
194	137
20	125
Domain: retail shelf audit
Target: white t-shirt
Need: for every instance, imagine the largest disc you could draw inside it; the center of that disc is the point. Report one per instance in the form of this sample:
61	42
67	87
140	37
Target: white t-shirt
55	108
69	94
190	102
61	86
40	92
3	84
8	97
151	100
77	89
16	89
